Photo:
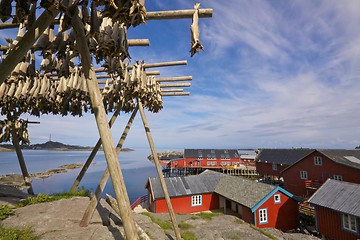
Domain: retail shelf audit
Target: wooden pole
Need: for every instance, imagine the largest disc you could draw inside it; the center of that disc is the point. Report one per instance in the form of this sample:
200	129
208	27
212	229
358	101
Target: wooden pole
104	129
131	43
93	153
175	94
177	14
165	64
158	169
173	79
26	42
175	85
100	188
172	90
25	173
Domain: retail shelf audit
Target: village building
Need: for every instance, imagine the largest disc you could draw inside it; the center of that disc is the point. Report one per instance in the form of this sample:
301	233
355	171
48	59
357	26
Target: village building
271	162
196	161
257	203
306	175
337	210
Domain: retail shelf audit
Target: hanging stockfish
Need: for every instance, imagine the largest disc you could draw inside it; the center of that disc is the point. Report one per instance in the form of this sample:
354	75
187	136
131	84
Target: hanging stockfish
195	33
5	10
137	12
22	11
94	21
31	68
32	15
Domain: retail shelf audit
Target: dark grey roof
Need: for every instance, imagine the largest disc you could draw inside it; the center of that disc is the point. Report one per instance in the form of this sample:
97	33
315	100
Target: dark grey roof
214	153
346	157
287	156
339	196
241	190
188	185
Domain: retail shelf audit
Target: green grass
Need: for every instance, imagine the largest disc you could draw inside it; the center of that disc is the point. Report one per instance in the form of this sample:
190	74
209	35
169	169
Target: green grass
238	221
162	223
194	217
208	215
188	235
41	198
184	225
272	237
17	234
5	211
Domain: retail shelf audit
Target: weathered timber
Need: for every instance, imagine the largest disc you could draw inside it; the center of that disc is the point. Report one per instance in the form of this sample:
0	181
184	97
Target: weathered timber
25	173
113	204
159	171
173	94
173	79
165	64
100	188
93	153
104	129
26	42
178	14
172	90
175	85
131	43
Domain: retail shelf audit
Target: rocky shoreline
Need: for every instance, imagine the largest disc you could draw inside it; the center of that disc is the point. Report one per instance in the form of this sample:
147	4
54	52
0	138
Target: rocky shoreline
17	180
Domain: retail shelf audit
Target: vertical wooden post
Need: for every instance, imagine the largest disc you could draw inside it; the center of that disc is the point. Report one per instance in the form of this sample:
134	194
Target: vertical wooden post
25	173
26	42
158	169
104	129
93	153
100	188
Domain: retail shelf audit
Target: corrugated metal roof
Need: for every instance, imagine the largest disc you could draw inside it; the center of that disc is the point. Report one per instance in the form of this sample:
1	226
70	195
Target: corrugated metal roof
244	191
346	157
215	153
188	185
339	196
287	156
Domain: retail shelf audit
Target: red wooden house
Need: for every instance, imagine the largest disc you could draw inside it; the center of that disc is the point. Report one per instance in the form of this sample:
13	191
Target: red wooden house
270	162
211	158
337	209
260	204
305	176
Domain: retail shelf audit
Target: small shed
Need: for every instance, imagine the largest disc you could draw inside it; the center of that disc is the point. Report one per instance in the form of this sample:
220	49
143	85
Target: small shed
337	210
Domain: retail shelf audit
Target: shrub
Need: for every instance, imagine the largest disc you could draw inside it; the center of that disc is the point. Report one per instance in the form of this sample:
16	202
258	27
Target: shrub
5	211
188	235
19	234
41	198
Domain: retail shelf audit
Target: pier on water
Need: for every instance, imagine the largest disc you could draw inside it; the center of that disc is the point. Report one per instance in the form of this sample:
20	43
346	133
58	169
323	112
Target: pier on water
184	171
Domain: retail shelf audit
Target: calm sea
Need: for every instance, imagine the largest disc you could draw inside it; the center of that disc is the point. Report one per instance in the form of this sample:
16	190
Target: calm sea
135	166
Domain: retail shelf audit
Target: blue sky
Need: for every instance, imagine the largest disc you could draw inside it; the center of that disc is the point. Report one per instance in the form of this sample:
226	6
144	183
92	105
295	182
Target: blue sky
273	74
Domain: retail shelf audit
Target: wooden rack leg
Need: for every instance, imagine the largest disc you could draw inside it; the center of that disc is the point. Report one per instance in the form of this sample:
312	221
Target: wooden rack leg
25	173
93	153
158	169
26	42
100	188
104	129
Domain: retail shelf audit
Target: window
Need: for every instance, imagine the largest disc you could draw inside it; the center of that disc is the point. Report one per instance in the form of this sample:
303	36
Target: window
175	162
349	222
263	218
277	198
196	200
318	160
337	177
303	175
274	166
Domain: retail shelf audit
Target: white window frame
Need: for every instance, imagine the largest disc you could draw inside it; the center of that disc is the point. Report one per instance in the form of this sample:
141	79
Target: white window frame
263	216
277	198
318	161
338	177
349	223
304	175
196	200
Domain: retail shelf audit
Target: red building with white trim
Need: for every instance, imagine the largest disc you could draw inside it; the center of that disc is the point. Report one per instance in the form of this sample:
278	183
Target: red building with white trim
305	176
337	210
257	203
